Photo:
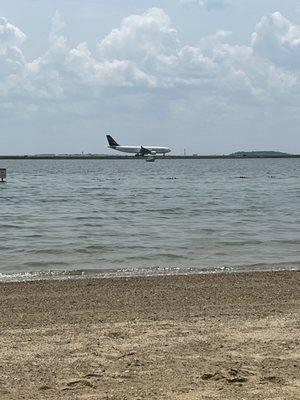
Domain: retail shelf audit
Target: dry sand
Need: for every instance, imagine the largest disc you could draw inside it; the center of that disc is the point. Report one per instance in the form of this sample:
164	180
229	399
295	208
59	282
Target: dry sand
227	336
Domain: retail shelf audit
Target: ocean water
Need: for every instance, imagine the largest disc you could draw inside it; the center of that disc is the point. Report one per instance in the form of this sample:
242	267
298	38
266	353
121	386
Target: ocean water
76	217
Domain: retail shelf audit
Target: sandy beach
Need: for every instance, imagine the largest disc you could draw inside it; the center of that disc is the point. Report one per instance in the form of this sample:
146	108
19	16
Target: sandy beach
221	336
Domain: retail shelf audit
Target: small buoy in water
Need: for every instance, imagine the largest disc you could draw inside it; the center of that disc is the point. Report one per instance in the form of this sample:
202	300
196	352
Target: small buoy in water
2	174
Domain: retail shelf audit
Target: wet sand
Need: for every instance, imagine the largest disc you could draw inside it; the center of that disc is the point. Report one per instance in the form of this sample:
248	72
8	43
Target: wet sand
226	336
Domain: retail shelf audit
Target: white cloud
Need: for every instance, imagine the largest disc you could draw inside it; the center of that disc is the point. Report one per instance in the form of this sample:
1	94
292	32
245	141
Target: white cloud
57	24
278	40
10	36
141	37
104	72
207	4
144	58
12	61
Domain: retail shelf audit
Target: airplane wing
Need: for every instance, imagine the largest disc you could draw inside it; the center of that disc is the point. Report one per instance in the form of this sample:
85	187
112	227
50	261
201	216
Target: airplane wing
143	151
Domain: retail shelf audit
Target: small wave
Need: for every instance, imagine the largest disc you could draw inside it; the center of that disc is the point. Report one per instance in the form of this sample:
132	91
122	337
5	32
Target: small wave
144	271
39	275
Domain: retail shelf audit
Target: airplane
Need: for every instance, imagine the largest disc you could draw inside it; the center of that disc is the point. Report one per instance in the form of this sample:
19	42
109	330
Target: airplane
138	150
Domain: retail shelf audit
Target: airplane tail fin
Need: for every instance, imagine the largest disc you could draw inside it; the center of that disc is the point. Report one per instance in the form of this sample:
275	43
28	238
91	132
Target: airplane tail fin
111	141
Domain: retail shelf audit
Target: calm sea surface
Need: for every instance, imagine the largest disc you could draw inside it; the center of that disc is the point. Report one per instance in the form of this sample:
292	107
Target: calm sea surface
122	217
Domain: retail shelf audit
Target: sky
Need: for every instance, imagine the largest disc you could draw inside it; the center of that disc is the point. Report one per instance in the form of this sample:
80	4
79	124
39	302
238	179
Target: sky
208	76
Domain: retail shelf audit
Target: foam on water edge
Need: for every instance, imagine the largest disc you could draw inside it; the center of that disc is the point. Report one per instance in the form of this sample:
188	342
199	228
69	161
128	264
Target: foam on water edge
142	272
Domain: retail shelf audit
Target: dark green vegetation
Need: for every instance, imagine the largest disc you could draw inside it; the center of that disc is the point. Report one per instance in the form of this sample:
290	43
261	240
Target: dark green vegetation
256	154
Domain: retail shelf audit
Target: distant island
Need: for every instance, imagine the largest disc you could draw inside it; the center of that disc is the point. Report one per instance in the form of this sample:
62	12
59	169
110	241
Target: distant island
256	154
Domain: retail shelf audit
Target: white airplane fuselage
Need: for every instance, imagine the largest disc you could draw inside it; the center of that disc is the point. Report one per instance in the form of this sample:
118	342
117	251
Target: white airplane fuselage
137	149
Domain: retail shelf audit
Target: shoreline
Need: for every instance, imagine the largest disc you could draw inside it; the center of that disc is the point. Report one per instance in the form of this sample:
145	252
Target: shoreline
140	272
184	337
